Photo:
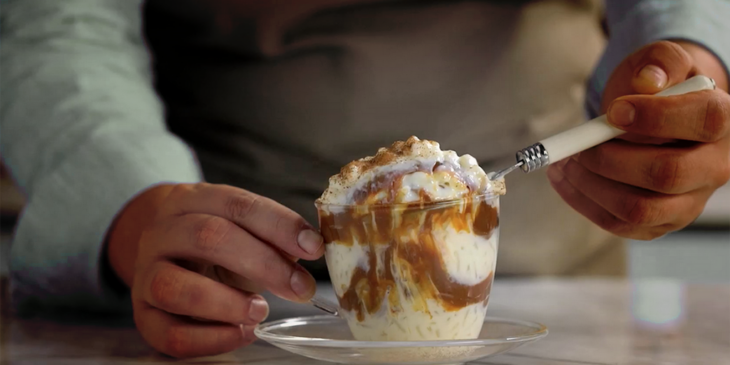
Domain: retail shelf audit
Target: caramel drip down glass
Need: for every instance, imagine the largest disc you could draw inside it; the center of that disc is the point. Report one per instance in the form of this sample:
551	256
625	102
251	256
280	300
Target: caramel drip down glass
417	271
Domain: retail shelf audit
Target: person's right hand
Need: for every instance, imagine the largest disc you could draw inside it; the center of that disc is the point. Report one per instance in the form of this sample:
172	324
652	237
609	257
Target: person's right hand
196	261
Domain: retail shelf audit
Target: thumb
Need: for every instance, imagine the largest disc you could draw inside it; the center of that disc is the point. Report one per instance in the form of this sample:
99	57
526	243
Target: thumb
649	70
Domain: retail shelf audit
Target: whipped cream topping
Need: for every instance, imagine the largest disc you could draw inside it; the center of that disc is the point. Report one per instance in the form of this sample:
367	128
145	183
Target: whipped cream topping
409	171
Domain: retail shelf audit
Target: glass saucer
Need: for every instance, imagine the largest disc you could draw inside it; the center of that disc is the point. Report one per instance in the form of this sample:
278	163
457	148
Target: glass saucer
328	338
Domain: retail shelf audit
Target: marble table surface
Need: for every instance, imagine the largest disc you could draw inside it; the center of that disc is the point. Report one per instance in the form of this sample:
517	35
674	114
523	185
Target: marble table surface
591	322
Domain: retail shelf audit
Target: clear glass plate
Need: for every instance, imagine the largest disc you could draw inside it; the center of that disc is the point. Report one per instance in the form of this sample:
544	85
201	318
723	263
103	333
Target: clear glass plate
328	338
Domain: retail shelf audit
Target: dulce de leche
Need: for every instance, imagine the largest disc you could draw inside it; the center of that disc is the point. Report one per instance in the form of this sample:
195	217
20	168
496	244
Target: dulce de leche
411	242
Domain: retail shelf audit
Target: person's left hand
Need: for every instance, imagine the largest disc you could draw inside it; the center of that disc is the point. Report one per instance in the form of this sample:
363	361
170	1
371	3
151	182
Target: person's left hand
657	177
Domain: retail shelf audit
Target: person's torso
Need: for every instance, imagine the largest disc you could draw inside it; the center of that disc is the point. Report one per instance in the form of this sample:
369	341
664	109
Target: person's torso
276	96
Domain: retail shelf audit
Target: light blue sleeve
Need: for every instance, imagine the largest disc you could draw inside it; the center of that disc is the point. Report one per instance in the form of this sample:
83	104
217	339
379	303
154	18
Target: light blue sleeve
636	23
82	133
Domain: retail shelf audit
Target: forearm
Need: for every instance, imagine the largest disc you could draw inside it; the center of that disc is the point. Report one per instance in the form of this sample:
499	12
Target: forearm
83	133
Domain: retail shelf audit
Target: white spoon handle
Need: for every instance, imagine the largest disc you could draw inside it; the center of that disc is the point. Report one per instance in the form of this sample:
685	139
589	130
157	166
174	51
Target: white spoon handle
592	133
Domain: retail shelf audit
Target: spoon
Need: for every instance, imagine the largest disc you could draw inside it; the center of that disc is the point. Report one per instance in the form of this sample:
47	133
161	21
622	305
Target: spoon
325	305
586	135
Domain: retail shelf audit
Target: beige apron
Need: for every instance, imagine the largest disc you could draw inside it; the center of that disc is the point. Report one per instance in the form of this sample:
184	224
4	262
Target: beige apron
276	97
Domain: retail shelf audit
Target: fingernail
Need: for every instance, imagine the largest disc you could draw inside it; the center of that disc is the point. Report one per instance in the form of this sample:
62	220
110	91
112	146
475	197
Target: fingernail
302	284
258	310
554	174
310	241
622	113
654	75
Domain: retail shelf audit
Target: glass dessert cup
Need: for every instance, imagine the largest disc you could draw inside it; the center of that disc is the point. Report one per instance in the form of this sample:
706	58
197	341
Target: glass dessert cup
412	271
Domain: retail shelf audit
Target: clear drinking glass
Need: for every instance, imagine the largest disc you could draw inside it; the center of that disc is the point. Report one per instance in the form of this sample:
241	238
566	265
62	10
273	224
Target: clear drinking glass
412	272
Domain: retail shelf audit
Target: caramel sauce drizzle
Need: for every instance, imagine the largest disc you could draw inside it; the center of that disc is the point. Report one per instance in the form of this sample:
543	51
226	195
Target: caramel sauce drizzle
406	234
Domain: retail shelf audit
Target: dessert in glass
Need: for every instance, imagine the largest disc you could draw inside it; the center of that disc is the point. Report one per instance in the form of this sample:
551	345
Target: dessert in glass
411	238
